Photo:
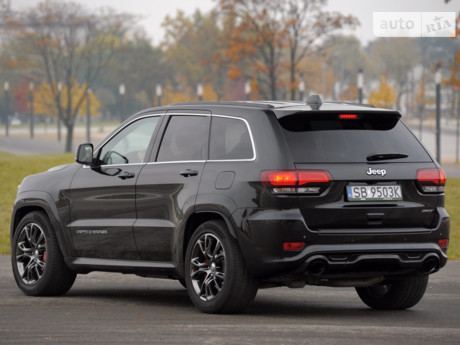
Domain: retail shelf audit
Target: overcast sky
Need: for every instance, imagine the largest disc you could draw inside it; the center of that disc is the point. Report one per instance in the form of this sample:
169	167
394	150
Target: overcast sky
153	12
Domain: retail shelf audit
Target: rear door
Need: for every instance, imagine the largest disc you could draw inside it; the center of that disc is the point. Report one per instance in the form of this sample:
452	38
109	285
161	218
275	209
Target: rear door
167	186
373	160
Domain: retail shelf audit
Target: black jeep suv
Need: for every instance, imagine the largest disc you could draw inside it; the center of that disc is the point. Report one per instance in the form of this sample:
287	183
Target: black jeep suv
227	197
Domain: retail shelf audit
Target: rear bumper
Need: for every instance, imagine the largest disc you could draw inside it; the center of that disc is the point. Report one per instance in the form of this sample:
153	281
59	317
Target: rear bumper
344	254
356	264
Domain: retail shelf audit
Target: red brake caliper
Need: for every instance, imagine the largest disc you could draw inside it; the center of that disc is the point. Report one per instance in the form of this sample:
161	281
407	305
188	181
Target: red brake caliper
44	253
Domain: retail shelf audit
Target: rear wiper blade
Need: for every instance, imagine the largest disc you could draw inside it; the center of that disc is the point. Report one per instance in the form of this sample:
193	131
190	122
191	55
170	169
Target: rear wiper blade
384	156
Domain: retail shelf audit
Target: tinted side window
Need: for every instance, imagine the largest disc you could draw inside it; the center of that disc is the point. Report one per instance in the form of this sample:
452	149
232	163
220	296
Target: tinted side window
130	144
185	139
230	139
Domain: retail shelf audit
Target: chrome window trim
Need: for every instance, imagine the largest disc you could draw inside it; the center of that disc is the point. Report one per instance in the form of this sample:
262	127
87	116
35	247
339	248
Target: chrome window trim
114	165
187	161
254	157
190	114
230	160
173	162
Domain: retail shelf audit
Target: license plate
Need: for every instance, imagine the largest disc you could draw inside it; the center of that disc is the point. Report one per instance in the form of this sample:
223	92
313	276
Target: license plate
374	193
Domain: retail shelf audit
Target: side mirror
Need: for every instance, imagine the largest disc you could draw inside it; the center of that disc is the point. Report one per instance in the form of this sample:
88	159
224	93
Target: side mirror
84	154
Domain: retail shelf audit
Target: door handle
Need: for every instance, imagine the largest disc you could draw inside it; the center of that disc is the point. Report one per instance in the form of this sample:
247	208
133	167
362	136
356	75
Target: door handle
126	174
189	172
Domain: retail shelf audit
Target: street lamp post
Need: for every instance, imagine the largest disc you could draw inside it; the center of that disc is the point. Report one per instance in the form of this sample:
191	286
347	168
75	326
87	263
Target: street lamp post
199	91
457	132
31	100
247	90
121	91
159	92
437	78
88	115
335	89
360	85
301	88
7	122
59	87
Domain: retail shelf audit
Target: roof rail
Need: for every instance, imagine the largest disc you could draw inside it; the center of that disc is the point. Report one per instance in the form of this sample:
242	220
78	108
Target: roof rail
353	103
250	104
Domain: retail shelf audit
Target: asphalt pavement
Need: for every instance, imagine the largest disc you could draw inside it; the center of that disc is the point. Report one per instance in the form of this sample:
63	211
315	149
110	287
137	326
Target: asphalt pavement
110	308
19	145
19	142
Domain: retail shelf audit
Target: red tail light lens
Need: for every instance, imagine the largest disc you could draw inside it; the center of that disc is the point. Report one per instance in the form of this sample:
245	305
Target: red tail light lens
296	181
443	243
431	180
435	176
348	116
313	176
279	177
292	246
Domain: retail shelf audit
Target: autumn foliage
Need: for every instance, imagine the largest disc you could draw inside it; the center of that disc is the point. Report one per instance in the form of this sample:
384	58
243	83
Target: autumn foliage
268	40
44	99
385	96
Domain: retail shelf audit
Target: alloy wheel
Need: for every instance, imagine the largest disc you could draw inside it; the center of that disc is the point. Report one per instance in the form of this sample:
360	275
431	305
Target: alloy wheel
207	267
31	253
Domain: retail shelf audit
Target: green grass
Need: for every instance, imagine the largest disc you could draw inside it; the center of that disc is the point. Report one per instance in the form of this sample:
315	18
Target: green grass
453	208
14	168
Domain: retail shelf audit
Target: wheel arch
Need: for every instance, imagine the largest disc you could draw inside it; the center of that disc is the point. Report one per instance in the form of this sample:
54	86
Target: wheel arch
22	212
193	222
41	203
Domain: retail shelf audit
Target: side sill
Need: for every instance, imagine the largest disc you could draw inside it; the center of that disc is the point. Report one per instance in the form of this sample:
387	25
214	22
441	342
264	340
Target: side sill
123	263
86	265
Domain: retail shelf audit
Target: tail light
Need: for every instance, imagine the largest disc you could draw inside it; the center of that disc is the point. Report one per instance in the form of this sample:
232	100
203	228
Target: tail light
443	243
293	246
296	181
348	116
431	180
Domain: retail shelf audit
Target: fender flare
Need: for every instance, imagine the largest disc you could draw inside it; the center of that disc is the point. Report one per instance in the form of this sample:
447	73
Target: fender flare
43	201
179	253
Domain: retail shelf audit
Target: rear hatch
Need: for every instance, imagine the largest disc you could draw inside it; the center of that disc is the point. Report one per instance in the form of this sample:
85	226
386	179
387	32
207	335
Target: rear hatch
376	173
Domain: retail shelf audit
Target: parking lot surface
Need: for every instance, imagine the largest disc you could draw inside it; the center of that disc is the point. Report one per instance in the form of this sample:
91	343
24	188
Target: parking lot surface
109	308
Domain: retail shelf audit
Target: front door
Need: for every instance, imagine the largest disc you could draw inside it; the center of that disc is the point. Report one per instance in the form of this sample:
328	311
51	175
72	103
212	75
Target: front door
102	198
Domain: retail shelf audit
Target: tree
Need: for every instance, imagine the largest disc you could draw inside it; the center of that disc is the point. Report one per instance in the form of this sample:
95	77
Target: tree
307	25
190	45
346	55
44	101
395	58
21	96
453	80
318	76
278	35
70	45
258	37
421	100
140	67
385	96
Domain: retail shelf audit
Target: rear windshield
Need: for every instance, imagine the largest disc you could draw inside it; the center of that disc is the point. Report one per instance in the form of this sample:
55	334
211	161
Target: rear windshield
321	138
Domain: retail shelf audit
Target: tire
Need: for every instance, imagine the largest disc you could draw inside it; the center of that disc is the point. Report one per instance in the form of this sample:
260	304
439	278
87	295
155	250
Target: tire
38	264
395	294
215	274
